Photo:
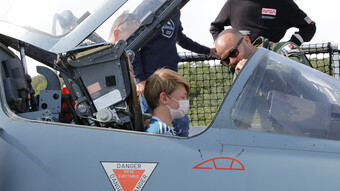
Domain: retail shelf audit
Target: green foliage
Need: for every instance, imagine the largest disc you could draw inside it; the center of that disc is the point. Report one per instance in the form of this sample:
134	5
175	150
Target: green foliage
322	65
208	86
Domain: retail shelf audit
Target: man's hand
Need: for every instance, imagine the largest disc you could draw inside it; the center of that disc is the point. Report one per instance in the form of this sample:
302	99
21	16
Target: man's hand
213	53
140	88
240	65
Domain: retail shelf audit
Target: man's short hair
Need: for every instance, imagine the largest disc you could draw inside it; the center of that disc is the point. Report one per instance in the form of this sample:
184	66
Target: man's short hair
229	31
126	22
163	80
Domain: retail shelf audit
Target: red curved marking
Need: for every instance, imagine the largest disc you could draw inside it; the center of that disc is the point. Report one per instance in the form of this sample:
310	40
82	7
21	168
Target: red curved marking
218	158
198	166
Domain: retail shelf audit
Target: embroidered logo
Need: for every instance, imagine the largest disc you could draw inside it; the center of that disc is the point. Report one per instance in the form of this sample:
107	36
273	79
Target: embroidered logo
287	48
268	11
168	29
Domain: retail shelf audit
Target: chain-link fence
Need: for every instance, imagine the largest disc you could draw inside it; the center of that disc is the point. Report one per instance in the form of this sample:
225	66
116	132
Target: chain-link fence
210	81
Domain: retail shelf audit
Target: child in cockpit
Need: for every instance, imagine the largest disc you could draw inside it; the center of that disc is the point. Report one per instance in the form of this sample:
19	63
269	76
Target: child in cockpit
166	92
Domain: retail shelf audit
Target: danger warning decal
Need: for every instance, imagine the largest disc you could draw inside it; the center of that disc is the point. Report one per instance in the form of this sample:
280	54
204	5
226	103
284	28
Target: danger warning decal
127	176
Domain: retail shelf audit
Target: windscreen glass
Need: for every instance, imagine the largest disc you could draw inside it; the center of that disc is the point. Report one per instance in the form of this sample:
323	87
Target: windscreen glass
283	96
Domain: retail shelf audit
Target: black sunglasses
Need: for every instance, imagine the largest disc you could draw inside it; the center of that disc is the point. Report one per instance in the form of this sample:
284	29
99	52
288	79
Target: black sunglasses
232	54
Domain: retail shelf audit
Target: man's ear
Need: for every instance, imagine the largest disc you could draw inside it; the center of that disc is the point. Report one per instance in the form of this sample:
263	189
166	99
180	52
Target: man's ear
116	34
247	40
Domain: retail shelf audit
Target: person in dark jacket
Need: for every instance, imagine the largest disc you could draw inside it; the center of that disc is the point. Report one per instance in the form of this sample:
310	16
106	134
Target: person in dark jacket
161	52
268	18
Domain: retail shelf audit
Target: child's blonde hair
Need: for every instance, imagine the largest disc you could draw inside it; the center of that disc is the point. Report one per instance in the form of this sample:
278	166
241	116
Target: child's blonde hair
163	80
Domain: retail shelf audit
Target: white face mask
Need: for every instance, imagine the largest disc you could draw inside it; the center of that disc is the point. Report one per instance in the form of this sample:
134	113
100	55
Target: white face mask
181	111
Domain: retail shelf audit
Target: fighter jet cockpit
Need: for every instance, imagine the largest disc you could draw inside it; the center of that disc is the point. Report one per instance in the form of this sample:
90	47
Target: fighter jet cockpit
81	128
85	54
285	97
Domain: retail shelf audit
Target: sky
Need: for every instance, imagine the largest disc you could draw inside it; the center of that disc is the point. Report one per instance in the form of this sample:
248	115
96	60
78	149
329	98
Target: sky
197	15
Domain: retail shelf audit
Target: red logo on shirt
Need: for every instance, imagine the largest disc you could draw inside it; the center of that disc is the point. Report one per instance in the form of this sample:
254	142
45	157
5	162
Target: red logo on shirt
268	11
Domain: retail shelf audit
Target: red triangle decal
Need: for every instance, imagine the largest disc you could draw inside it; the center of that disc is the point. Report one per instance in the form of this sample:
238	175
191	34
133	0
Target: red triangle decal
128	178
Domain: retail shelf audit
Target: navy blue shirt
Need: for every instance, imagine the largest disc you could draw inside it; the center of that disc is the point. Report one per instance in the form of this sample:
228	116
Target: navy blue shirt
161	50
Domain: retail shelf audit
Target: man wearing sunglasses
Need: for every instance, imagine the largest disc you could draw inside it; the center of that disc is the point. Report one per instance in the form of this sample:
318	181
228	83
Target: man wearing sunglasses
234	49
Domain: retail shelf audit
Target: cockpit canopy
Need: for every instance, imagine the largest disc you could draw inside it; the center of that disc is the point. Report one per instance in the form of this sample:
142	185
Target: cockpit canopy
286	97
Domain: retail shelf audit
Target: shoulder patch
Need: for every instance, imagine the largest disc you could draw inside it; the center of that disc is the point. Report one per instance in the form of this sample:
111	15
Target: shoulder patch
308	20
287	48
168	29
